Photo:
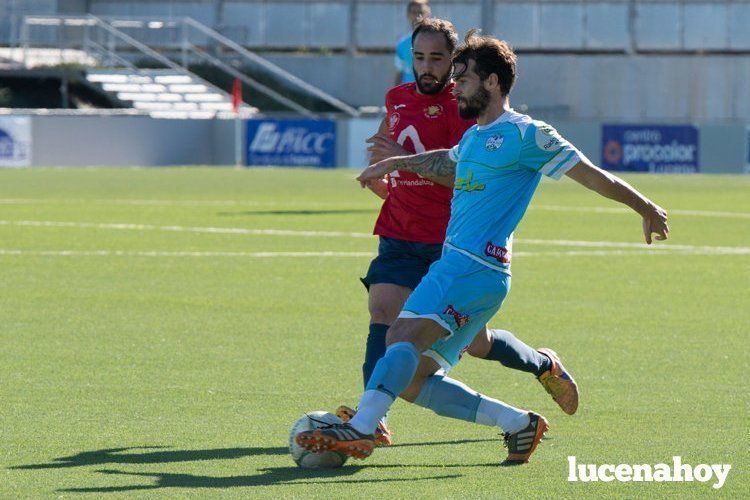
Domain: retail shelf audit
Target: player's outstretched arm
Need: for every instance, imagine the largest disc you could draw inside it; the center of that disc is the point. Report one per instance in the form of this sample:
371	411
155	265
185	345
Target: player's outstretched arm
435	165
611	186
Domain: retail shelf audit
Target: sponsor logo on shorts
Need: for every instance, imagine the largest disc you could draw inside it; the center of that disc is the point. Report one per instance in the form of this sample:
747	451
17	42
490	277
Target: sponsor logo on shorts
501	254
462	352
460	319
494	143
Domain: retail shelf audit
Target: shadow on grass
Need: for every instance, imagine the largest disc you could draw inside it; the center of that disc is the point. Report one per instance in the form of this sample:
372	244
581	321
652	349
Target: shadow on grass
164	456
346	211
116	456
268	477
439	443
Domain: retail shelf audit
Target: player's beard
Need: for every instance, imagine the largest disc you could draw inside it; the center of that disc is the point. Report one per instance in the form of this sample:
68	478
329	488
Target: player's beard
474	105
433	86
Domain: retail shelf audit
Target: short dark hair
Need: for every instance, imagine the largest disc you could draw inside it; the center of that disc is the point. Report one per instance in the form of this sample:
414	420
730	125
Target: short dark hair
433	25
491	56
418	3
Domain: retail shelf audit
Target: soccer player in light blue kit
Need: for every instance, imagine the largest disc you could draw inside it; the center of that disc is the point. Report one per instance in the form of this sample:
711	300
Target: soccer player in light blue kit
497	167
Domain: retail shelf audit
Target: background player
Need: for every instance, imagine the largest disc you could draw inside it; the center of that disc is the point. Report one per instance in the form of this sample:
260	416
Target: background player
497	166
416	12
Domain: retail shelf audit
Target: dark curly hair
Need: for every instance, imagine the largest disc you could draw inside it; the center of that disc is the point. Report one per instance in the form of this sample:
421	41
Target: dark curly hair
491	56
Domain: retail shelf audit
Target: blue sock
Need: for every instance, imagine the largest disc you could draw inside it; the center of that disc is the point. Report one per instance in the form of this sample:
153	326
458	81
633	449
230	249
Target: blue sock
395	370
449	398
392	374
513	353
374	350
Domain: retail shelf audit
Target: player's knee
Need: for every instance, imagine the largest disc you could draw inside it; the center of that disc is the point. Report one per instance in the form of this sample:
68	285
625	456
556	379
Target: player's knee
407	331
411	393
477	350
399	332
480	346
383	314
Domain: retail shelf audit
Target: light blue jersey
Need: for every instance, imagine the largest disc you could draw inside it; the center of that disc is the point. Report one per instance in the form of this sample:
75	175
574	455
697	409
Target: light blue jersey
498	169
404	60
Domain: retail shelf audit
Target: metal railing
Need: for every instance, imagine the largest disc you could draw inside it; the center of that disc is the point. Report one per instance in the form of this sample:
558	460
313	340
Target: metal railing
108	41
100	40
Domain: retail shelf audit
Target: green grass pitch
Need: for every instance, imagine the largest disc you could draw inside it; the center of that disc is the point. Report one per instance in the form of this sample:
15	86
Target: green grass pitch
161	330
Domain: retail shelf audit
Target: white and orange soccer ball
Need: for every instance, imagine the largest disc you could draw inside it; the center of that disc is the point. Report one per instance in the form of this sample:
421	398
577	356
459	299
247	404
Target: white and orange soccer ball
307	459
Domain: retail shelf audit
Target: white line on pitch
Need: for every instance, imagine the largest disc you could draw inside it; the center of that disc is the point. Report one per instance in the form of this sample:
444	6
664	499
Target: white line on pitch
159	253
154	253
657	247
617	210
187	229
198	203
137	202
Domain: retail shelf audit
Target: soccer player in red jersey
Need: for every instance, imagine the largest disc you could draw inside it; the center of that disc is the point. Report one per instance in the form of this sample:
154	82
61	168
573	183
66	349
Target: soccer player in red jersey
423	116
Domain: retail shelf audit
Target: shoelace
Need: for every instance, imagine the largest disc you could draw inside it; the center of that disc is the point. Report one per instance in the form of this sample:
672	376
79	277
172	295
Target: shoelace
324	425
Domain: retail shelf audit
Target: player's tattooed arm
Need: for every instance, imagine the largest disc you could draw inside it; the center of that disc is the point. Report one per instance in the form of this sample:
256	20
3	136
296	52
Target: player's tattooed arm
434	165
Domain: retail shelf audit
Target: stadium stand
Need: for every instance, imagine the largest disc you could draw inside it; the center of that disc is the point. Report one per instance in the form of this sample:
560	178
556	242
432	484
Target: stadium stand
583	62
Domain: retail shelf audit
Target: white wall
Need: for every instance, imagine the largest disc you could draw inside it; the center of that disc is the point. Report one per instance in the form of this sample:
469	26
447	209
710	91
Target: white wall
598	87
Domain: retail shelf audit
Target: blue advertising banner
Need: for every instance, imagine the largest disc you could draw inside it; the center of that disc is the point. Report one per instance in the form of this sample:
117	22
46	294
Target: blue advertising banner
15	141
747	158
650	148
294	143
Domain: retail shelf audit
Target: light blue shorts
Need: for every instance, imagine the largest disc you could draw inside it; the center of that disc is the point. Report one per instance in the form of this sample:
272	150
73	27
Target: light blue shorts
461	295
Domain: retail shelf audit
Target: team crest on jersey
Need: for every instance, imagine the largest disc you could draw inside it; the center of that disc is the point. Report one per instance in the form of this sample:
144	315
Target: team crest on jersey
494	143
393	120
433	111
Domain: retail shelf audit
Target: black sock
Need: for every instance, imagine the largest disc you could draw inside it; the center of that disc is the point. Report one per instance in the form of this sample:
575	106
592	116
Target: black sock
375	349
513	353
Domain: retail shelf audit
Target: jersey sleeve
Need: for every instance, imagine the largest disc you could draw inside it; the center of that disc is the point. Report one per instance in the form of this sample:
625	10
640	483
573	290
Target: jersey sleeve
545	151
455	152
457	128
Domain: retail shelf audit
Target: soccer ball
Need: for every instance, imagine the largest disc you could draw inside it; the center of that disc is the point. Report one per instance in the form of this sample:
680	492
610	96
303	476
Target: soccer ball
307	459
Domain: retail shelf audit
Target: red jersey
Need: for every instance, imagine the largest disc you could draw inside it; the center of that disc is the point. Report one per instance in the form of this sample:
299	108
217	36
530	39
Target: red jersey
416	208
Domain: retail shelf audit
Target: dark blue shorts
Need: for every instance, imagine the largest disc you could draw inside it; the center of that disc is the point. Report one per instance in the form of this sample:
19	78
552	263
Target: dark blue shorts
402	263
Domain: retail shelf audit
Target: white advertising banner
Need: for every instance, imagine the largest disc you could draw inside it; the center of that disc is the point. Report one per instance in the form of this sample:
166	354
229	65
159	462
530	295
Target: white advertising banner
15	141
356	149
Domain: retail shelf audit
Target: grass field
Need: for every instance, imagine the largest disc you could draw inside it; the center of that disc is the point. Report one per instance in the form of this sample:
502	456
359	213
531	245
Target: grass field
162	329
